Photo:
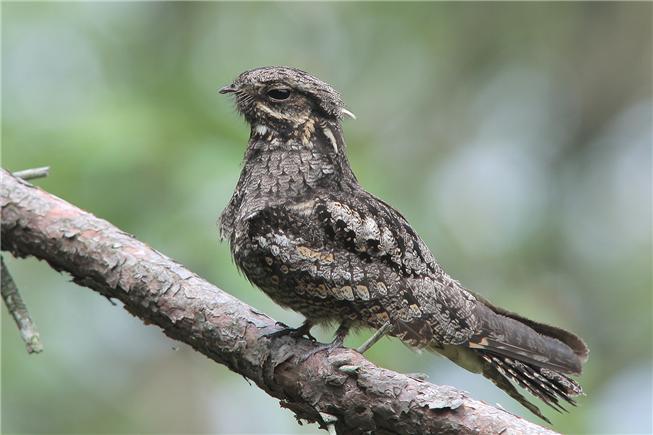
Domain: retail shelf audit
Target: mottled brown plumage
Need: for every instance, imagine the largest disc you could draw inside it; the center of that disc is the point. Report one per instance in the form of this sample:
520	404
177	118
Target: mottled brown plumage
303	230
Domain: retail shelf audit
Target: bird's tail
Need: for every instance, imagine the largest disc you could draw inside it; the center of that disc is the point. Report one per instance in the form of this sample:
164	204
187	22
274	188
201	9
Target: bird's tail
548	385
510	349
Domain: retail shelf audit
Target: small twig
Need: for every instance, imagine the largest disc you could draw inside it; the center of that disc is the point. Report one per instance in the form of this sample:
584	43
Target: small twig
30	174
374	338
18	310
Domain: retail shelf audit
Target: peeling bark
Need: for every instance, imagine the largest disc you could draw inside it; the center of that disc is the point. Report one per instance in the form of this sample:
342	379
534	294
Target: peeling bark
338	387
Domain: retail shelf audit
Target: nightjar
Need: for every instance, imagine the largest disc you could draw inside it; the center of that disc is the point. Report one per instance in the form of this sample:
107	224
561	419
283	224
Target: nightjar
302	229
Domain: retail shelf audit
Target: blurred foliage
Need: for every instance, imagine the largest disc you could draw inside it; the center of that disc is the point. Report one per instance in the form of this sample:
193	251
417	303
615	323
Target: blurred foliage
516	137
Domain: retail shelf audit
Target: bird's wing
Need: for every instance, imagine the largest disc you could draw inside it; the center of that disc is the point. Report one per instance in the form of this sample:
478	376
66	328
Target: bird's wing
358	255
376	232
502	344
372	229
534	355
380	237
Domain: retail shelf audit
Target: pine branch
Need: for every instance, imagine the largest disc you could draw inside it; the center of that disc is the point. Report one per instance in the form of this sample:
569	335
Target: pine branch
340	389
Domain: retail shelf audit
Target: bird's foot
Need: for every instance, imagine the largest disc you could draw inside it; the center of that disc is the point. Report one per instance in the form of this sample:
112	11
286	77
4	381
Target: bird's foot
303	331
339	339
324	347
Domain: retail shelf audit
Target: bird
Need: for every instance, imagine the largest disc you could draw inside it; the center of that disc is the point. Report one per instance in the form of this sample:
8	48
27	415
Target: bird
303	230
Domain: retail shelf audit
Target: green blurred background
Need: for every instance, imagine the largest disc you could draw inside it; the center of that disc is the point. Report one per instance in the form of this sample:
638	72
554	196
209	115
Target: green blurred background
515	137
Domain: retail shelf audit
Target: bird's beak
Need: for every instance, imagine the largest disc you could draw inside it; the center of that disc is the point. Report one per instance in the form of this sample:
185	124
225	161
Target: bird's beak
229	89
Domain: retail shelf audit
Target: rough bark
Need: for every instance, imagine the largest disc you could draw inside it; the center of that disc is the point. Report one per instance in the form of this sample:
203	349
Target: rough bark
338	387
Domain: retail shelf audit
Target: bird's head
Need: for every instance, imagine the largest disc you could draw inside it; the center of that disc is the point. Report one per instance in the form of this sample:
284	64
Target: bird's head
284	98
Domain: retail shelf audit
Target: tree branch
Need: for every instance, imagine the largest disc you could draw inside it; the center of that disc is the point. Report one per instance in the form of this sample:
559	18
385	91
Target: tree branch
339	388
28	331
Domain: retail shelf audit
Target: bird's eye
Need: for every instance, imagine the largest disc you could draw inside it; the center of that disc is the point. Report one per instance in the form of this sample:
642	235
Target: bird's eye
279	94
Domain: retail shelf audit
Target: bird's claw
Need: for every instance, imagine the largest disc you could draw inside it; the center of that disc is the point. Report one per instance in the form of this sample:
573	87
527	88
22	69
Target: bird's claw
328	347
302	331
